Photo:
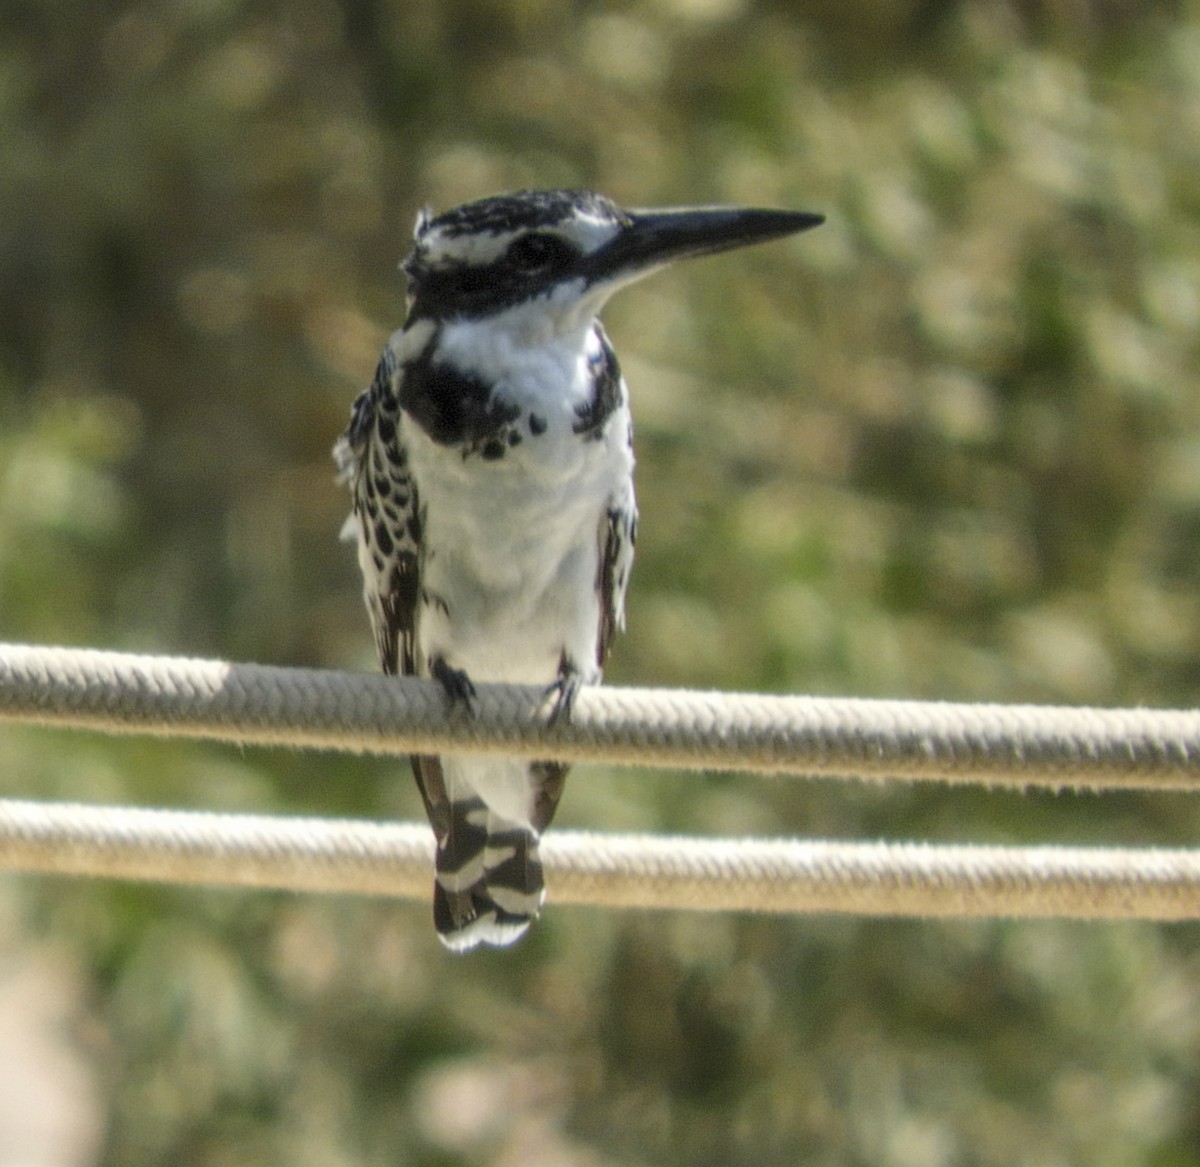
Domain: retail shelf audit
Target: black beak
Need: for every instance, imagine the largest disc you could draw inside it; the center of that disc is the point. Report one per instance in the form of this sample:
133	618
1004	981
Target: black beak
655	238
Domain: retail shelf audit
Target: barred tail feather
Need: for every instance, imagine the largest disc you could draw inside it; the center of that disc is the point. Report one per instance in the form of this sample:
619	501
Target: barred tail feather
488	886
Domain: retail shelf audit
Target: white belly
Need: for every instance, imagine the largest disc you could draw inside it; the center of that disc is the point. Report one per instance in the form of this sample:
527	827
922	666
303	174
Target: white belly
511	546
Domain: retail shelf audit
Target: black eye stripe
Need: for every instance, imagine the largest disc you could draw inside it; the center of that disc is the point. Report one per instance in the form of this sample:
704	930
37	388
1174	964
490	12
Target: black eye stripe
539	250
531	262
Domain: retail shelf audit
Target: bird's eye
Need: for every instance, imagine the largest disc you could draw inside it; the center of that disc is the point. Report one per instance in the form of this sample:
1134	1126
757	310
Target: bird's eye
539	251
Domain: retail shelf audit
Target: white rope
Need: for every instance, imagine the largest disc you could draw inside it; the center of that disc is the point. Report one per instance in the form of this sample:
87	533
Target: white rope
1012	745
895	879
1001	745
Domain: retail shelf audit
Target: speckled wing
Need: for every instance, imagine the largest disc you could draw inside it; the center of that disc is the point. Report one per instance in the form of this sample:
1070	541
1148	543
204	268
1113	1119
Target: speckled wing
386	524
386	518
618	534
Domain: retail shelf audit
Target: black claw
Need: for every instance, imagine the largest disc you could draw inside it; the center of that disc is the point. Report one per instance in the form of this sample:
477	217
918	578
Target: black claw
455	684
564	691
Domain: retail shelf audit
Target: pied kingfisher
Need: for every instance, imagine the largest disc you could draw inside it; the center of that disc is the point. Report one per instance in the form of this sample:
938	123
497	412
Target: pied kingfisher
491	465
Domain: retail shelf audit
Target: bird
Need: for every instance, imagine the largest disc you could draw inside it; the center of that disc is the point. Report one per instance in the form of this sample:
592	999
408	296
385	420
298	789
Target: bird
490	465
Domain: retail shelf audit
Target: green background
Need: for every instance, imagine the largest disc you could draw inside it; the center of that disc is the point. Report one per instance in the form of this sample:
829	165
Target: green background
947	446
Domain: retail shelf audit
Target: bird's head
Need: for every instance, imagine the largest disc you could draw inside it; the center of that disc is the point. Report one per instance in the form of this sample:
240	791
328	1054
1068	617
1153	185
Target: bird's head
548	259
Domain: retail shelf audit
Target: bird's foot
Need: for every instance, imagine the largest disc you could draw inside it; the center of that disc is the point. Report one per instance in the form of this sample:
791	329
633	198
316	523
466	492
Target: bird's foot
565	690
460	692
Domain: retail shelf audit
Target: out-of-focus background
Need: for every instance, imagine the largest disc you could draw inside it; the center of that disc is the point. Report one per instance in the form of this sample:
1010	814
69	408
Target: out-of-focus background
947	446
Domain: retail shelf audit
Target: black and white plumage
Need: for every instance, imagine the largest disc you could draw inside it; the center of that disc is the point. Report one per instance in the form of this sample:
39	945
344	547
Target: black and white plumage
491	465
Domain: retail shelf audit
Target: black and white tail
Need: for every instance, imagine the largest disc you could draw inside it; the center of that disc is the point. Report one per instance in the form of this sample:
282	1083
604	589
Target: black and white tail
488	885
487	816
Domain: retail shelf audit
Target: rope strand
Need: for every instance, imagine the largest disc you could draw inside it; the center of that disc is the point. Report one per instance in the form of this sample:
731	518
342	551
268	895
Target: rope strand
841	737
1003	745
346	856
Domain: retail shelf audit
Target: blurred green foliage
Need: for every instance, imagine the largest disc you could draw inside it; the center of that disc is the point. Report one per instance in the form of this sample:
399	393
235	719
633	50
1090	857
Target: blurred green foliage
947	446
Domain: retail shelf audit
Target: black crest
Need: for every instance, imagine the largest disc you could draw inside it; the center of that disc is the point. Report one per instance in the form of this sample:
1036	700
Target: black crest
525	209
443	285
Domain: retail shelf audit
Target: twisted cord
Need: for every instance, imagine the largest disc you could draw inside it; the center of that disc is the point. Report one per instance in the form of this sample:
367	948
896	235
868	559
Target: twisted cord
1010	745
1015	745
893	879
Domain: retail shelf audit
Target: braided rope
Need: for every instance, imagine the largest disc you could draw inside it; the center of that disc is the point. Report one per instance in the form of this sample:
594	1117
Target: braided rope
254	704
897	879
1011	745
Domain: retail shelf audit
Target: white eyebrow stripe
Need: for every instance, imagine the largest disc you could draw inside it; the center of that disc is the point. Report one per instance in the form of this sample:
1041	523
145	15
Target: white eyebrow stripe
439	246
474	249
588	232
